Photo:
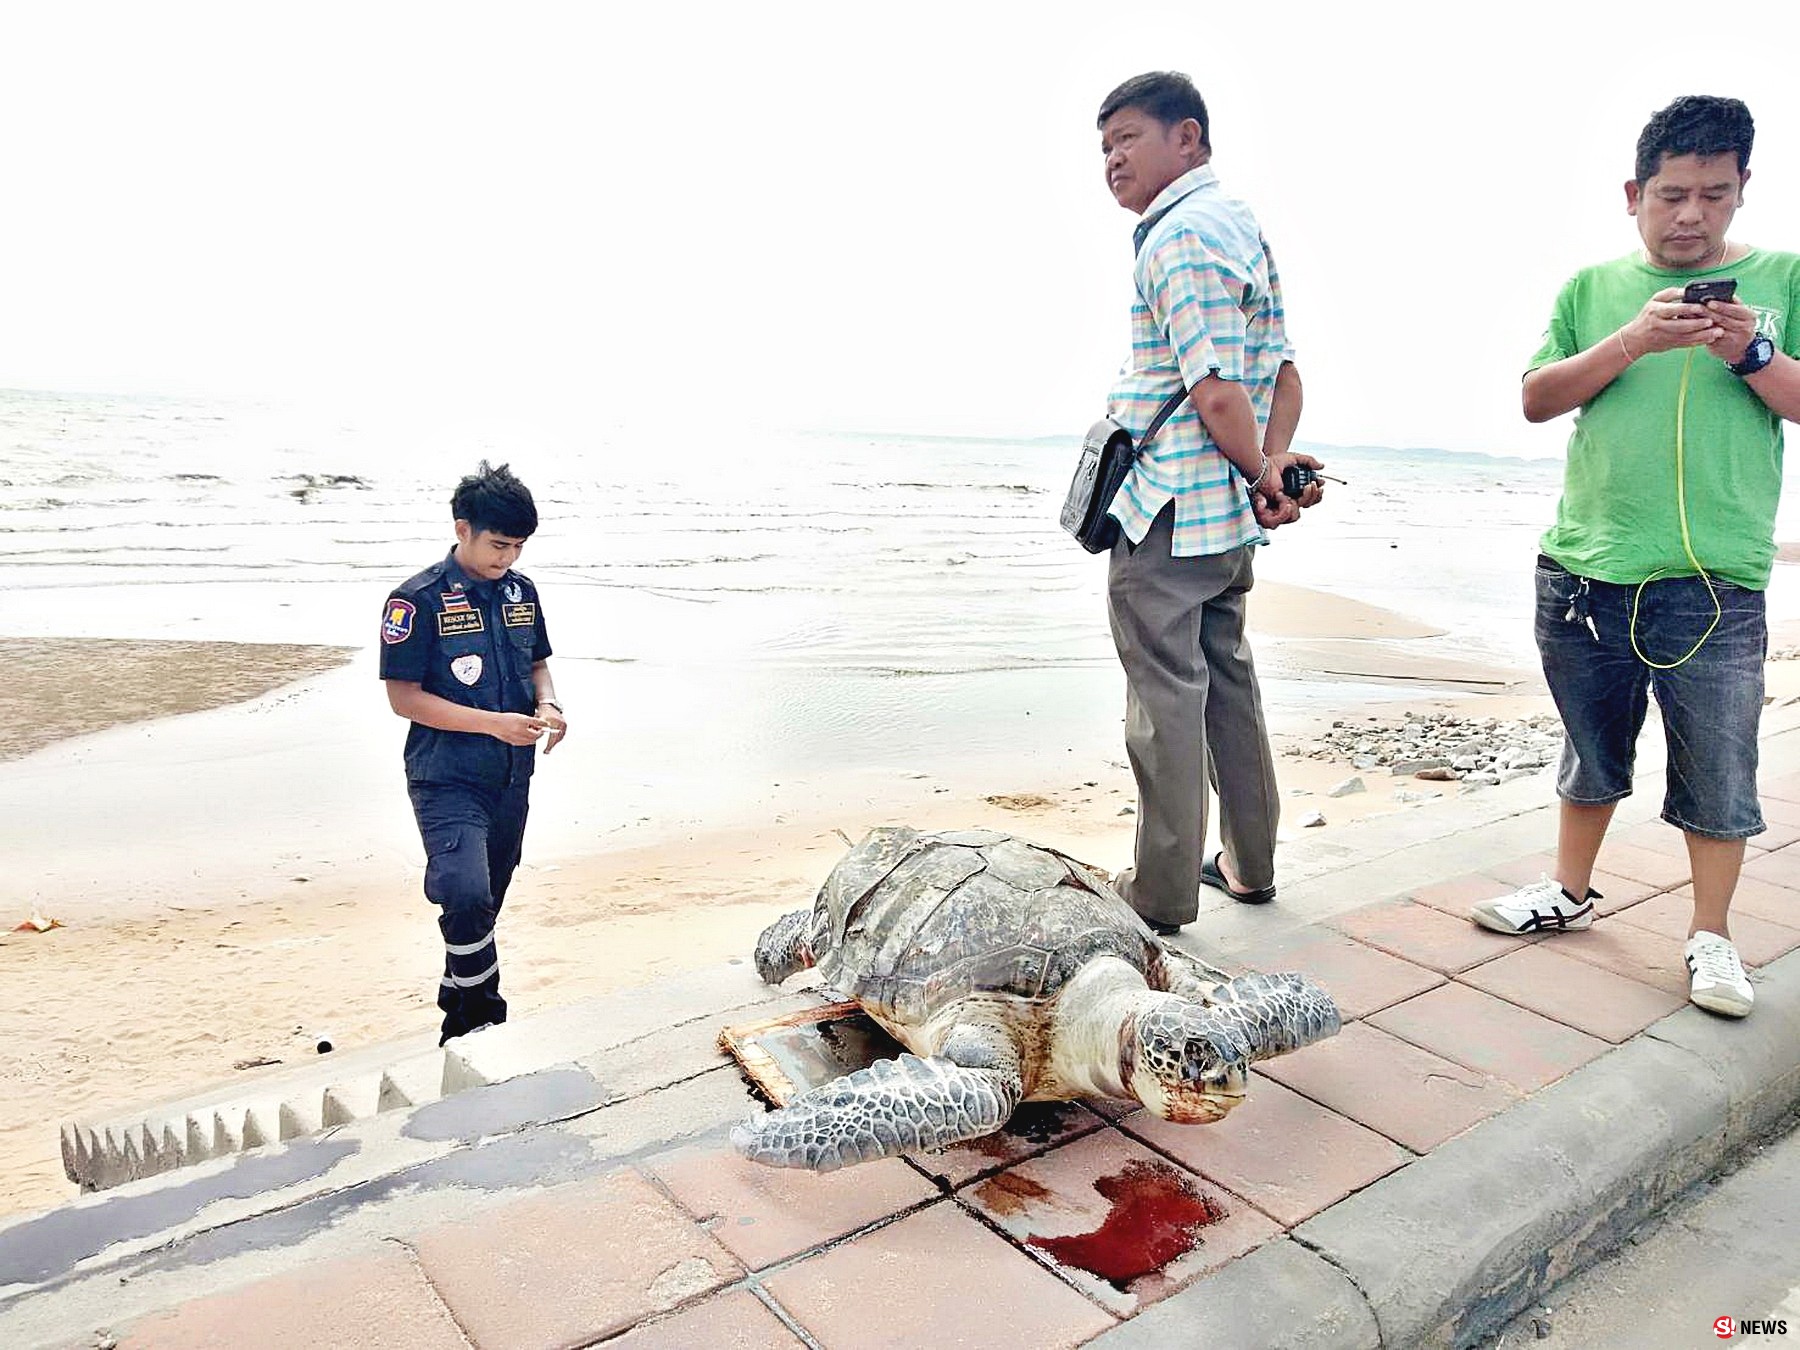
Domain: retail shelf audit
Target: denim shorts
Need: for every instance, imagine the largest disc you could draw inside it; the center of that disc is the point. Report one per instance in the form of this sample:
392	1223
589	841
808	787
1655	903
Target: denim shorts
1711	703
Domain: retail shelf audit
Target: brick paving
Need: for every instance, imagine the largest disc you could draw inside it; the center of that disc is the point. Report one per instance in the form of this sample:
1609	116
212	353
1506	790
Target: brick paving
1446	1025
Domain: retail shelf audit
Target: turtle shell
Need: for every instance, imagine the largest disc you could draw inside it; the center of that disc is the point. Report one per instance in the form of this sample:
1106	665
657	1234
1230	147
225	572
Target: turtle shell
908	923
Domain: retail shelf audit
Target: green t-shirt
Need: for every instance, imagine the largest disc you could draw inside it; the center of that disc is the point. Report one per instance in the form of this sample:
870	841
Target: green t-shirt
1618	520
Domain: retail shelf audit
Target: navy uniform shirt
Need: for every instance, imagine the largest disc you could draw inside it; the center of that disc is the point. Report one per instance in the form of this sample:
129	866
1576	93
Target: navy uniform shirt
472	642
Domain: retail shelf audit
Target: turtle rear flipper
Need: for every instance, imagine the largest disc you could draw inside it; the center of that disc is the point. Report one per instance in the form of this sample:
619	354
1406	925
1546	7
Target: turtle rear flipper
1269	1015
785	947
894	1106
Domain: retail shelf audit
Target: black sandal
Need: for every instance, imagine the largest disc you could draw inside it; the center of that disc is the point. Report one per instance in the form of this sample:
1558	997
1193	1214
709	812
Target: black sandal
1212	876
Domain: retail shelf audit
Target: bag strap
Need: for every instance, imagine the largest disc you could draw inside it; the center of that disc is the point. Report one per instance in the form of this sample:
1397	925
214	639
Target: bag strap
1163	414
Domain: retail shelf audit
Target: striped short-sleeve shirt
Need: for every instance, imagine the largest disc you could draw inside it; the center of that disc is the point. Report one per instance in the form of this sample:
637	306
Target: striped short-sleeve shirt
1208	303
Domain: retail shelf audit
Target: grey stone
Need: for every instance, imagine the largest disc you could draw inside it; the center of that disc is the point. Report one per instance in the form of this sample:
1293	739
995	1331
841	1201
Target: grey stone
1402	766
1345	788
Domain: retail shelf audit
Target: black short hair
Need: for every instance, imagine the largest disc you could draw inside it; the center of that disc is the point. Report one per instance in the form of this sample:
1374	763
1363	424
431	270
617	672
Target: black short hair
1695	124
1167	95
493	500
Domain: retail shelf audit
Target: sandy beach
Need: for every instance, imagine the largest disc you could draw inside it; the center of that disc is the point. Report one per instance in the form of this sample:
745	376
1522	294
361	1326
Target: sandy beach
233	865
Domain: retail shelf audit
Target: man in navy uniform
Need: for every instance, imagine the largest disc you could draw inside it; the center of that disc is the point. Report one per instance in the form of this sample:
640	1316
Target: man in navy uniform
466	660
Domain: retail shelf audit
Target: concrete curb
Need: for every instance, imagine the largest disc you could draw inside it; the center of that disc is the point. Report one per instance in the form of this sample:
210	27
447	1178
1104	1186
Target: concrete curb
1281	1294
1450	1248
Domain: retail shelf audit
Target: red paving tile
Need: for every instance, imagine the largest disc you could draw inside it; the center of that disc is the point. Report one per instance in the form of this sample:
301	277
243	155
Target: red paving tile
1523	871
1576	993
1287	1155
1783	820
766	1214
1656	835
1358	978
1456	895
1633	952
1490	1036
735	1321
1658	870
1408	1094
571	1266
1786	787
377	1300
936	1278
1764	899
1034	1127
1423	935
1780	868
1758	941
1125	1219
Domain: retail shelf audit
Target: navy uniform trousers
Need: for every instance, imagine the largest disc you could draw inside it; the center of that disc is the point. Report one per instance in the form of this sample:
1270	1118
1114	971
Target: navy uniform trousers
472	841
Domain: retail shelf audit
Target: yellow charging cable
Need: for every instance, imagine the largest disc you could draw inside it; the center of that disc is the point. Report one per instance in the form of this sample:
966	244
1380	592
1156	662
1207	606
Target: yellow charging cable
1687	543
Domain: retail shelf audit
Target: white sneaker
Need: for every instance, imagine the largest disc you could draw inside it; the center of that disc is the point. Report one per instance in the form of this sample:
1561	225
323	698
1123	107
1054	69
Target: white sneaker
1542	907
1719	984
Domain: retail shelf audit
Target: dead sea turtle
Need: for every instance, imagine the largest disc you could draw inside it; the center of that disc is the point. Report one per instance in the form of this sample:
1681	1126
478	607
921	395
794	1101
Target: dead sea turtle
1013	973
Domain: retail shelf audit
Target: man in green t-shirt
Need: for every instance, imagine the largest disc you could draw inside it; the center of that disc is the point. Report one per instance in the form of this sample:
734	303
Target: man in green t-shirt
1652	577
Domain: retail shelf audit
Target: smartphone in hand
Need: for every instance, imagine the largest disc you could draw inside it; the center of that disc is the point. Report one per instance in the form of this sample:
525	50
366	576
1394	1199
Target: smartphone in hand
1699	292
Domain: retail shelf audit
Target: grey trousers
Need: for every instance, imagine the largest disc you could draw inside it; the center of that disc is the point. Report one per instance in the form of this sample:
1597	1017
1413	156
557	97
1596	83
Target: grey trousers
1193	717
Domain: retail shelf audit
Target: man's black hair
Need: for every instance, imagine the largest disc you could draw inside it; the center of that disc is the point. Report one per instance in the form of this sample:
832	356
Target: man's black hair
493	500
1695	124
1167	95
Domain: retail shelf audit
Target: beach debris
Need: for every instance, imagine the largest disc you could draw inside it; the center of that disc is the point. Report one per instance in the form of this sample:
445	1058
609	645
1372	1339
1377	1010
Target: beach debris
1312	820
1416	741
1345	788
1442	773
259	1062
1407	795
37	923
1128	810
1019	801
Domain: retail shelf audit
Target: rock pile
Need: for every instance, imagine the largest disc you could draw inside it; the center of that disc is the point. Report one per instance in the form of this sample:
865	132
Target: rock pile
1442	747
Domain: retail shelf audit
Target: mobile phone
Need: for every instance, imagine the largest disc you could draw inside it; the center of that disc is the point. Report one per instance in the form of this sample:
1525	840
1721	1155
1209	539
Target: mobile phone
1699	292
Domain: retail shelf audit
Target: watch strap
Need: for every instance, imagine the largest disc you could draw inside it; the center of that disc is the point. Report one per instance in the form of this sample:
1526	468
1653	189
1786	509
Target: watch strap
1758	354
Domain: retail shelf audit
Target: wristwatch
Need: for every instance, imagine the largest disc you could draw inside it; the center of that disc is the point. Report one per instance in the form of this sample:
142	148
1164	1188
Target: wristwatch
1758	354
549	703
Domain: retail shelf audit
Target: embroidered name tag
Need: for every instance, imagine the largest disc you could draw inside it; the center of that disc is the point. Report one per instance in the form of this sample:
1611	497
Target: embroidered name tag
519	616
454	621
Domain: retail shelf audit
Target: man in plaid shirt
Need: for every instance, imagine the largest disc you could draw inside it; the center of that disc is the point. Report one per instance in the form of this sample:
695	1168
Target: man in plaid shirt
1208	318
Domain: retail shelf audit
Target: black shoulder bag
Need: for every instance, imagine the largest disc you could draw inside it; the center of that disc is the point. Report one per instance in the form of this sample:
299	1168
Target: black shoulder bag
1107	455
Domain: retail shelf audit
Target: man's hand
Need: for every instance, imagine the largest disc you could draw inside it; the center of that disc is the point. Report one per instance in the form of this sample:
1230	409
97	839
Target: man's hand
1667	323
1274	512
517	728
559	726
1272	505
1736	324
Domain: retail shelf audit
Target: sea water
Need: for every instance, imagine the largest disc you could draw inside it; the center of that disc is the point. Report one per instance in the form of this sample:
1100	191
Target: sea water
732	602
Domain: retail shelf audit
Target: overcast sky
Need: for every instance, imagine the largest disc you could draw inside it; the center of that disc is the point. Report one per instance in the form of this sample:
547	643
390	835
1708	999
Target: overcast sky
839	215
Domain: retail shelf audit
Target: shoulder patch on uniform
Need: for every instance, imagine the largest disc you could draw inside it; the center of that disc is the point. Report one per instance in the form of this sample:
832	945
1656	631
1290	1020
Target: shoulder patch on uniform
397	620
513	591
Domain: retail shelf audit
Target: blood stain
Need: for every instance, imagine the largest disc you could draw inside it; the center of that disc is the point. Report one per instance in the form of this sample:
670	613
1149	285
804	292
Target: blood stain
1156	1217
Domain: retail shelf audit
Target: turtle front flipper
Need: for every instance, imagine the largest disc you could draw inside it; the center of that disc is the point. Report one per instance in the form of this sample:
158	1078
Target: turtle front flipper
1268	1015
894	1106
785	947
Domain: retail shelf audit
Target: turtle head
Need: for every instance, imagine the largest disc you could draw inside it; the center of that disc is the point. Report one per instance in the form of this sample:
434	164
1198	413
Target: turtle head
1189	1061
1184	1066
